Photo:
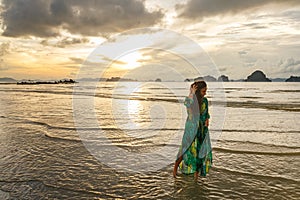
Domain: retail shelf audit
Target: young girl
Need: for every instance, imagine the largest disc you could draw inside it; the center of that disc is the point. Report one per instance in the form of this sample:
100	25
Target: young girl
195	153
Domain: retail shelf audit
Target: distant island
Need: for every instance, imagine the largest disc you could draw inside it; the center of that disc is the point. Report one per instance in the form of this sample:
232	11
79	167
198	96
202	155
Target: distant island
208	78
7	80
293	79
117	79
31	82
257	76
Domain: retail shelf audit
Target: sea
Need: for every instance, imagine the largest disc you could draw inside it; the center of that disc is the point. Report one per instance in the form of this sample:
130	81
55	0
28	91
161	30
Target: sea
119	140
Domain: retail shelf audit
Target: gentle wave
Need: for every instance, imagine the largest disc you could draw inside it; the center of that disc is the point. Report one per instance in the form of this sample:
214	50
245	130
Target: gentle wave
268	106
294	107
255	131
48	135
258	143
29	182
224	150
143	129
51	136
286	91
150	145
256	175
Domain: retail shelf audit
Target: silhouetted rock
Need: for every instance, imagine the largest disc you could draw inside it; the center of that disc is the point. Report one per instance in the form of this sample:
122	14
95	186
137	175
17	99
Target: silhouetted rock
199	79
91	79
223	78
293	79
158	80
117	79
7	80
114	79
257	76
209	78
205	78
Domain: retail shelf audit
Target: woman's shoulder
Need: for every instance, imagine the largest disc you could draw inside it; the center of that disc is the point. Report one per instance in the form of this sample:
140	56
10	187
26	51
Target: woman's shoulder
188	101
205	100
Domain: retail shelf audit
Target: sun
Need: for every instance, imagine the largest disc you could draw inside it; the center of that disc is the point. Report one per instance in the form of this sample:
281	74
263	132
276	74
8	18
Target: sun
125	63
130	61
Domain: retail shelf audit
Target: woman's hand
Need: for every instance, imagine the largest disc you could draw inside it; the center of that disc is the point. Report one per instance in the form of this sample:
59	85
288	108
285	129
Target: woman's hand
207	122
193	90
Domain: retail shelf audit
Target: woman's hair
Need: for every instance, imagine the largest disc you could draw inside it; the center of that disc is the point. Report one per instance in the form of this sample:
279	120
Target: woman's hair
198	98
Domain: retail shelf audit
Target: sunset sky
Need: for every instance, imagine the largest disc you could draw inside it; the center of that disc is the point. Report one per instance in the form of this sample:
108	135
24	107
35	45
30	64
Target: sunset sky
51	39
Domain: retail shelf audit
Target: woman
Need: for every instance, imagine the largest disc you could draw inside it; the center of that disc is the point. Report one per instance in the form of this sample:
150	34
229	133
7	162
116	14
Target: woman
195	153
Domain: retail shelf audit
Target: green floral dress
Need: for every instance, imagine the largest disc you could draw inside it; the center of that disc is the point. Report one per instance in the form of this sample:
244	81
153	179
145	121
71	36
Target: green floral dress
196	148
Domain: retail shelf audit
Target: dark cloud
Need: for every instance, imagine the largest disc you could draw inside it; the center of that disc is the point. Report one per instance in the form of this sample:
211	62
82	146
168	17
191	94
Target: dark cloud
70	41
65	42
45	18
205	8
76	60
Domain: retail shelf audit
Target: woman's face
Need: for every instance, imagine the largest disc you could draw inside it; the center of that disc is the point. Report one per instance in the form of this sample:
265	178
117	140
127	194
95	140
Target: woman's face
203	91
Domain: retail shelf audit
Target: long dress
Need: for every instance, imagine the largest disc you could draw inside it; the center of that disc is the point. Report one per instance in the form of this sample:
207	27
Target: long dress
196	148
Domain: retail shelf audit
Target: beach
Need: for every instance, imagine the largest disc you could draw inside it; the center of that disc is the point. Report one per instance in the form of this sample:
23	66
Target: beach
52	149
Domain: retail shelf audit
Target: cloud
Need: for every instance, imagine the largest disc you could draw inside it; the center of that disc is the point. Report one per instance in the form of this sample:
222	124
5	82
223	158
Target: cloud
292	14
4	48
76	60
284	67
289	65
46	18
206	8
65	42
241	53
70	41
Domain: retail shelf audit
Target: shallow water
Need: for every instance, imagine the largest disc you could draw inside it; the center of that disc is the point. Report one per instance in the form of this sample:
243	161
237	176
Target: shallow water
46	155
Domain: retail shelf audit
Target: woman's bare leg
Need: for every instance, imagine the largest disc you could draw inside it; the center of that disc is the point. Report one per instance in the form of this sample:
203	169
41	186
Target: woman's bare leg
177	162
196	174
